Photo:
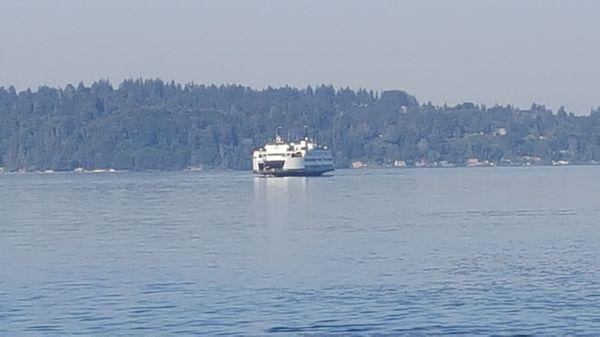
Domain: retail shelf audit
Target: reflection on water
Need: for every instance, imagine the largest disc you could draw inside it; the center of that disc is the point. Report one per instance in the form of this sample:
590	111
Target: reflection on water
281	191
463	251
279	185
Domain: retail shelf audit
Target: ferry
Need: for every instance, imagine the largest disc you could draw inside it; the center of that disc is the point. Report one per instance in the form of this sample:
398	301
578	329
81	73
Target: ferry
302	158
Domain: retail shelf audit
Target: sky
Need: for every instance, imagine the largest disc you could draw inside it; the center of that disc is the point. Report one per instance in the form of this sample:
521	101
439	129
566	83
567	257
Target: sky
488	52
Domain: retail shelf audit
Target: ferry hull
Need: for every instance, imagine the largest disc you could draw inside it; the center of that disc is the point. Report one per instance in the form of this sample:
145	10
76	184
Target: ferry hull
294	173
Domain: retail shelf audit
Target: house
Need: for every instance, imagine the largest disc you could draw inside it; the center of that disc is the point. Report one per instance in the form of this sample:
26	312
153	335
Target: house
399	163
422	163
358	164
474	162
500	132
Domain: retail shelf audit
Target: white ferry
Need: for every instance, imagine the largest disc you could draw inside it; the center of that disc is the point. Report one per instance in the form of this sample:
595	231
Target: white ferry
305	158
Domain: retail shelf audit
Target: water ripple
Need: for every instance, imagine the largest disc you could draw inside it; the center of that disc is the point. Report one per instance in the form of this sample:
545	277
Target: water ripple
381	252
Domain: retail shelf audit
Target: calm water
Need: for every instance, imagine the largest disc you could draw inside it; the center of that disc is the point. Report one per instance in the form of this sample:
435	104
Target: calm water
427	251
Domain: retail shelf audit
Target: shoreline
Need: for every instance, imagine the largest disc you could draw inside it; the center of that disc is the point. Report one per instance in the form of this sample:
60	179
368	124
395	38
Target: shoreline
216	170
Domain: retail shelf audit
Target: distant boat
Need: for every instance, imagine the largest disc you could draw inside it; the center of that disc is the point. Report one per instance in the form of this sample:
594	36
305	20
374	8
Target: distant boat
303	158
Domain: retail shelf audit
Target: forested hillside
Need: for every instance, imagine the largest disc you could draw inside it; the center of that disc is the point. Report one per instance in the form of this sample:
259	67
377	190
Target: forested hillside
149	124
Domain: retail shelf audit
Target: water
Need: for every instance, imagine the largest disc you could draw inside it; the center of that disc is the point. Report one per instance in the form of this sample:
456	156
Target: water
417	251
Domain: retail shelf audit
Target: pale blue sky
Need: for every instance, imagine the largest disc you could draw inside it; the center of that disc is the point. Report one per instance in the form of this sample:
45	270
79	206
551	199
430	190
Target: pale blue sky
509	51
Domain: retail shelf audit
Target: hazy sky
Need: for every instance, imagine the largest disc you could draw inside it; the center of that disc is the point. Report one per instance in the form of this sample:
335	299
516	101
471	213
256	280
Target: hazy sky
515	52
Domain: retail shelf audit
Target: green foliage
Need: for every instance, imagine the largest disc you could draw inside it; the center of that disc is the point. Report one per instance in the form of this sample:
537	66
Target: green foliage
149	124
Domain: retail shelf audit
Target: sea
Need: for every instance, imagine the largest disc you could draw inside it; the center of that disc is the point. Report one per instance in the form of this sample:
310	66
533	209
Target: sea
462	251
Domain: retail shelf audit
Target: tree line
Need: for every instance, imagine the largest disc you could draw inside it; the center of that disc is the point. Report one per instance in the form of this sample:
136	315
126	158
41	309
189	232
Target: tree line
151	124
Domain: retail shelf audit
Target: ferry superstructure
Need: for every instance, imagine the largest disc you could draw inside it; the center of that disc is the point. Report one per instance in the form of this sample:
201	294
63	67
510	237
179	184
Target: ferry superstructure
303	158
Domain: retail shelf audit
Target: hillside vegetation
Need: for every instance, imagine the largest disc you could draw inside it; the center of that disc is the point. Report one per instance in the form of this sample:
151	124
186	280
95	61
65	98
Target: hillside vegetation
149	124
